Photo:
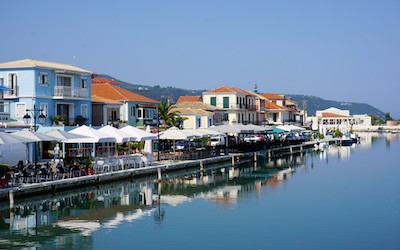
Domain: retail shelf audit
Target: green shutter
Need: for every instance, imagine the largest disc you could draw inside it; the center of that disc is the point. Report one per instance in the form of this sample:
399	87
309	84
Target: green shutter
226	101
213	101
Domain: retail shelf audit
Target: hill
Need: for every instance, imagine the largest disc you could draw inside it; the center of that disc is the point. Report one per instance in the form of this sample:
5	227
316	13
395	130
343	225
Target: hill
313	103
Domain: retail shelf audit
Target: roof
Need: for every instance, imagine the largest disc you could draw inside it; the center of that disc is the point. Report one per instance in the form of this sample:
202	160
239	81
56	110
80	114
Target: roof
113	92
189	111
196	105
97	80
189	98
29	63
225	89
100	99
272	106
273	96
332	115
259	96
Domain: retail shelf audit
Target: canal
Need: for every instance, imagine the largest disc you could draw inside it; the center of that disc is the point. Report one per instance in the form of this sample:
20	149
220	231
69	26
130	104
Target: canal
338	198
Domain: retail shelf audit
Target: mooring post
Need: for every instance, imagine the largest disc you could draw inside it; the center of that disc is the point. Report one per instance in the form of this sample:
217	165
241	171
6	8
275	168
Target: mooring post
159	174
269	154
233	160
291	149
255	156
11	196
201	166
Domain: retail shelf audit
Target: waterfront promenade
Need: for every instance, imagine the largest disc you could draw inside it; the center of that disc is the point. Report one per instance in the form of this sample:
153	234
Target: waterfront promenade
156	168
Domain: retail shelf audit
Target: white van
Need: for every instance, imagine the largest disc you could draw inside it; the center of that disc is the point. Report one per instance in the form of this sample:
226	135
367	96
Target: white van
217	140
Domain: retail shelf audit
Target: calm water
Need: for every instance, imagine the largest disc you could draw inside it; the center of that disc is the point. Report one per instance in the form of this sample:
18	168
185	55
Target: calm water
342	198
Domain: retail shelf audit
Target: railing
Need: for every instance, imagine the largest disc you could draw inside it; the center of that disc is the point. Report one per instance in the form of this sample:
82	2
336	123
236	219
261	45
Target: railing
66	91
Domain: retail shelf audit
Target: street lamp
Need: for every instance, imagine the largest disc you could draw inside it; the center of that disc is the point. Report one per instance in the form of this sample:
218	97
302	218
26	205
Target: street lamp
159	122
27	120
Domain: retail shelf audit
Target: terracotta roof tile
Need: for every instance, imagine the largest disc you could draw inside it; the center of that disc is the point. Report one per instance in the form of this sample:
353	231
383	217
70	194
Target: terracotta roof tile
273	106
97	80
273	96
225	89
189	98
113	92
100	99
331	115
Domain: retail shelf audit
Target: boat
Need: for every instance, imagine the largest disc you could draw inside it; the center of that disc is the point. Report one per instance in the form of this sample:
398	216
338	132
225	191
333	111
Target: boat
346	140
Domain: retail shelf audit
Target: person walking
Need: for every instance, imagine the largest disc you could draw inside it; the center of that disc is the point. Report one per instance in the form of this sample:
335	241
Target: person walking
57	152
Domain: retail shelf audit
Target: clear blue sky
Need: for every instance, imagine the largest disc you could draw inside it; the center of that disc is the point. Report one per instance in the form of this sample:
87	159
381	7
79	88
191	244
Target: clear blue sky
344	50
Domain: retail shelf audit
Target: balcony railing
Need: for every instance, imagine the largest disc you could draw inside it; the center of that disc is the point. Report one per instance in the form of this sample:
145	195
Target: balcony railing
66	91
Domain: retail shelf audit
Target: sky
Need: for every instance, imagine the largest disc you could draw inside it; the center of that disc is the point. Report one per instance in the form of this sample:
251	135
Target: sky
342	50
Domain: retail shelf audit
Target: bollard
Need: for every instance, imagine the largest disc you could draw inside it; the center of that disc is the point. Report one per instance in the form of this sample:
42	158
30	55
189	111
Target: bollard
291	149
233	160
255	156
201	166
269	154
159	174
11	195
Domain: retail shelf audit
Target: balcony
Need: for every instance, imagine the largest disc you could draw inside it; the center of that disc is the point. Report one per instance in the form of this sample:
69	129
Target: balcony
67	91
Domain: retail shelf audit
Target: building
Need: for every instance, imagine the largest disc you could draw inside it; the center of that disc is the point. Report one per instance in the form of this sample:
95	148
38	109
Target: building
52	89
238	105
126	106
334	118
282	110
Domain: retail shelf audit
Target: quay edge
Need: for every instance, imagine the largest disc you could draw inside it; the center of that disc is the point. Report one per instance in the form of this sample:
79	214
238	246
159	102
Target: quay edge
93	180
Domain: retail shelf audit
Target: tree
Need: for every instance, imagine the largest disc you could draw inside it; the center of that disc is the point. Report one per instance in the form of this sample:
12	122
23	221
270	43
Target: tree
166	113
375	120
388	117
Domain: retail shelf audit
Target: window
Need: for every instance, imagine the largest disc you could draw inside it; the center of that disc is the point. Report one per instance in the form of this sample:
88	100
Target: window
139	113
43	79
43	107
209	122
12	83
213	101
20	109
83	83
199	122
226	117
226	102
64	81
84	110
132	112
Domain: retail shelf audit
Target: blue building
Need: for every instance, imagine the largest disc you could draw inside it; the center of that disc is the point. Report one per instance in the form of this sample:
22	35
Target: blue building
61	91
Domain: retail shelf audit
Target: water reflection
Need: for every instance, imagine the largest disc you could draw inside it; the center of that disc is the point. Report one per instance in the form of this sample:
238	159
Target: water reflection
69	219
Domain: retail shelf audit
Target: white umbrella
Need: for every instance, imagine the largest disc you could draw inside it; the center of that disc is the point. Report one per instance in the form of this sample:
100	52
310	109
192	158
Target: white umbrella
232	128
138	133
208	132
6	138
32	136
148	145
260	129
175	133
96	136
119	135
67	137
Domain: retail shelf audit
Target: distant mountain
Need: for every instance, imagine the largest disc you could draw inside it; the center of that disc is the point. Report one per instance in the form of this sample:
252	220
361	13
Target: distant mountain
313	103
156	92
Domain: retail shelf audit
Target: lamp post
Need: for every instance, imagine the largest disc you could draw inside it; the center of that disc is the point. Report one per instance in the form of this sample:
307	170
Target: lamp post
27	120
159	122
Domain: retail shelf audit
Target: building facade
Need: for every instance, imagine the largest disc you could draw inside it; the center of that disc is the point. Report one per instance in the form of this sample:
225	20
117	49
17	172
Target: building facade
53	89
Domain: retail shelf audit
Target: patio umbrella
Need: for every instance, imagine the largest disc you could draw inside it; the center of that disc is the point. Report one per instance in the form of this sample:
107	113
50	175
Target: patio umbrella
95	135
175	133
32	136
6	138
232	128
208	132
68	137
119	135
138	133
259	129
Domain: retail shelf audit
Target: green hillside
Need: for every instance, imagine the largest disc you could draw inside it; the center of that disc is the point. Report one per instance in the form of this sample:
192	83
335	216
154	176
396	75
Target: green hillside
313	103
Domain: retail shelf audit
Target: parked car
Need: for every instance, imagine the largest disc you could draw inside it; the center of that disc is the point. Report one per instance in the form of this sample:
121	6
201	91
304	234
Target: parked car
217	140
184	145
252	138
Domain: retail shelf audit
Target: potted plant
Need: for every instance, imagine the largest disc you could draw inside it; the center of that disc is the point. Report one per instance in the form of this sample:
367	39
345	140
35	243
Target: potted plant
89	165
80	120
